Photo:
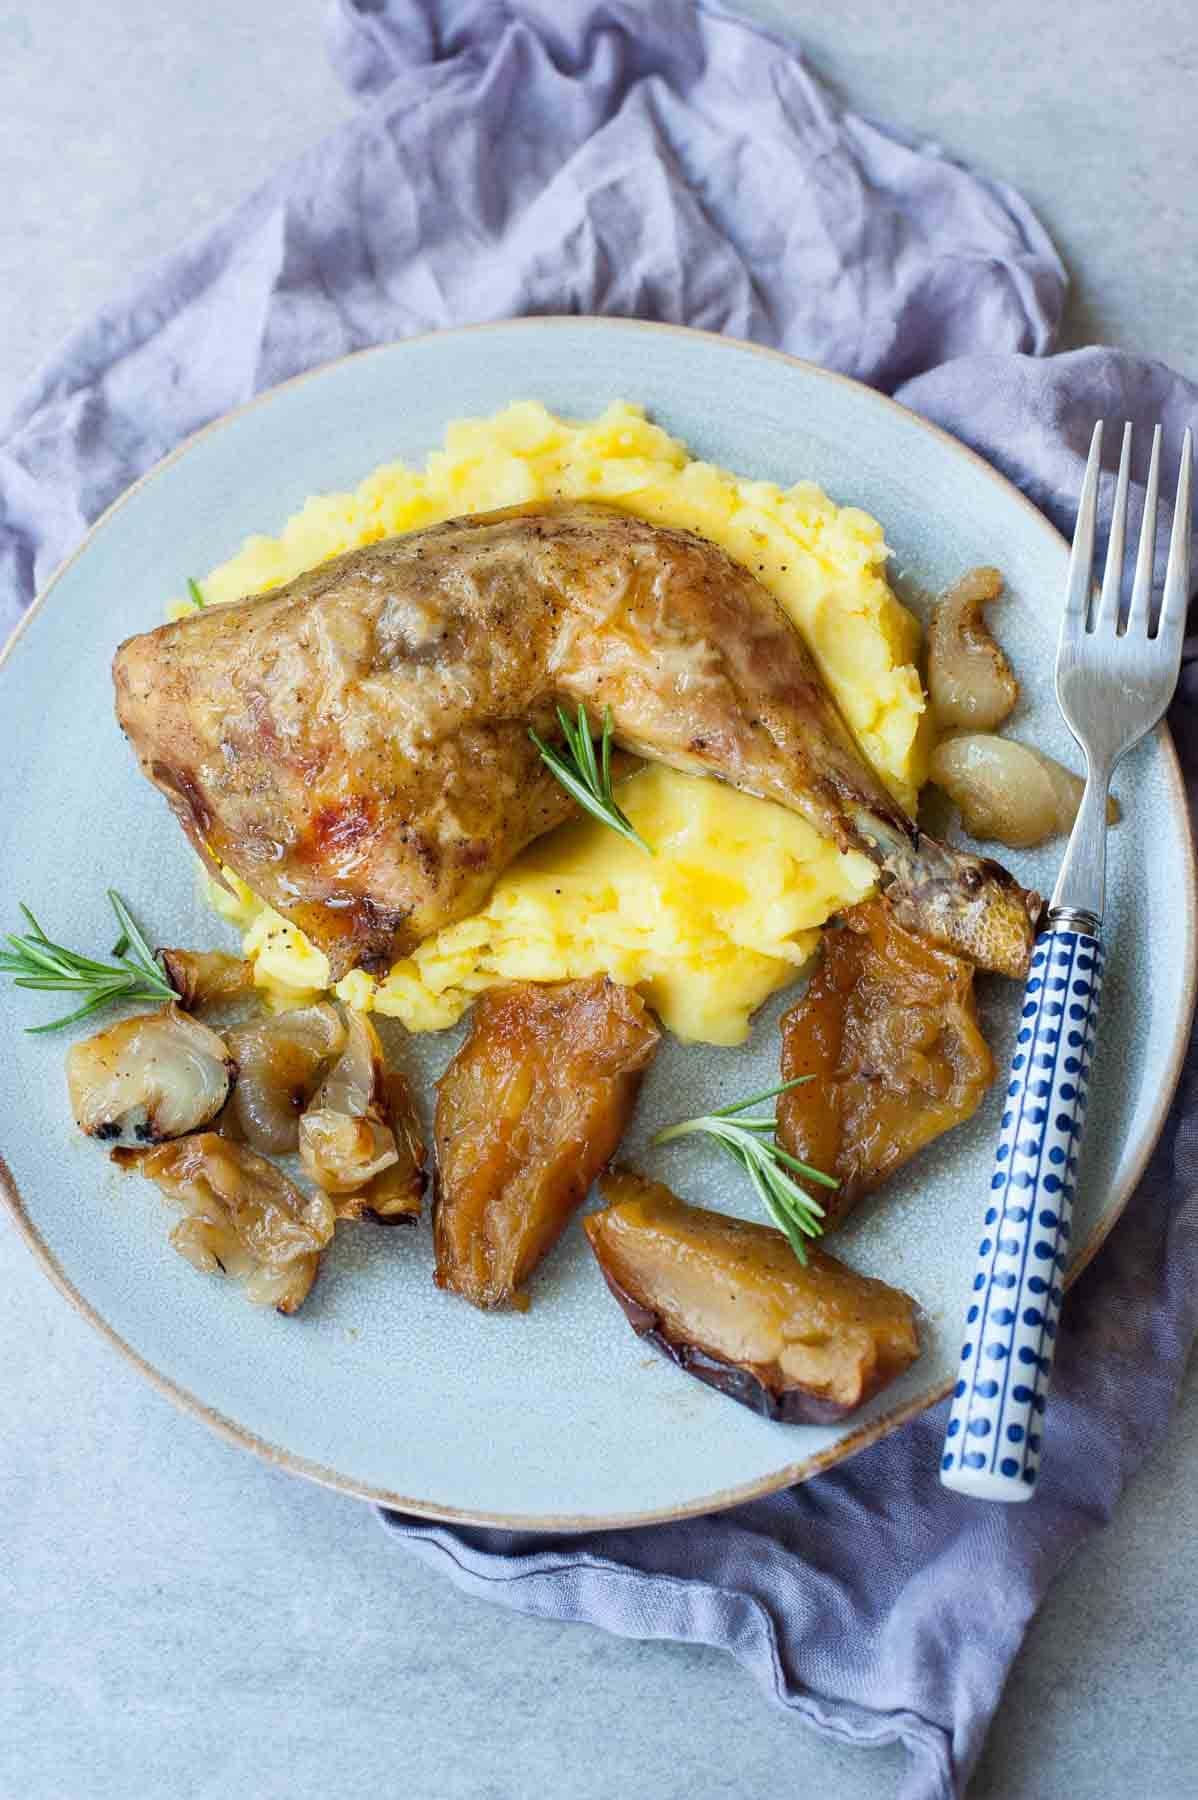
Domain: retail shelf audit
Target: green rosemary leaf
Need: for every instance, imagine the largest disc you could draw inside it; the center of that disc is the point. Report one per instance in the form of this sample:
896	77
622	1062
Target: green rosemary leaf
753	1145
739	1106
34	960
585	777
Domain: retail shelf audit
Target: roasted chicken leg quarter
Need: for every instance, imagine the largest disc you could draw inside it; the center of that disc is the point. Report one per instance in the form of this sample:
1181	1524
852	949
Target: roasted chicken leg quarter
355	745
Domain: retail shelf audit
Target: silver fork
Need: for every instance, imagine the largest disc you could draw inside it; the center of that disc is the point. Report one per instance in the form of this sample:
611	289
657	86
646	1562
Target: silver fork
1113	685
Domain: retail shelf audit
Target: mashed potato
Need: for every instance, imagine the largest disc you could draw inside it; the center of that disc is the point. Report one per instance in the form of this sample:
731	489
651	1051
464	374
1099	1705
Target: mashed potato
730	905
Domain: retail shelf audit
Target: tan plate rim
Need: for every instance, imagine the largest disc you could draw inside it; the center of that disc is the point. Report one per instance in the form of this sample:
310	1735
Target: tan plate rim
877	1427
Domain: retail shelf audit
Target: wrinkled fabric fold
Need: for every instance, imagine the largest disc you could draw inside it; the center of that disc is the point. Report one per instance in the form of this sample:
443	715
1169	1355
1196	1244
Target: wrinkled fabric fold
677	164
534	158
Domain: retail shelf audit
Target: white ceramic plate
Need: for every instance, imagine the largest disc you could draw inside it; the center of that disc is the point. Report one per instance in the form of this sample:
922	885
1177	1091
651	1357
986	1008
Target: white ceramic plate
382	1385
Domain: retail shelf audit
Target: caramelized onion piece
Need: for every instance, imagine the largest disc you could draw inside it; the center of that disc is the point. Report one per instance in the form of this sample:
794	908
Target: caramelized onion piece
394	1197
148	1078
281	1059
970	683
1008	792
888	1027
344	1152
395	1194
204	978
243	1216
730	1303
354	1084
360	1138
528	1112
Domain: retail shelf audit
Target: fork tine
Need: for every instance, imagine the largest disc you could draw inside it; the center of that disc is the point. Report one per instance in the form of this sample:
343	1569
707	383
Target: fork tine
1112	577
1081	559
1141	592
1176	597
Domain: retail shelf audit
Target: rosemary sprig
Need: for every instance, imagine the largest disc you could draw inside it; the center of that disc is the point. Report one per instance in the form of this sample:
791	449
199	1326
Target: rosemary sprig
586	777
35	961
197	598
753	1144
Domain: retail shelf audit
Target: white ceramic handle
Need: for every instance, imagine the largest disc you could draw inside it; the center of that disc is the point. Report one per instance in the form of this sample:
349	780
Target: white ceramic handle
992	1446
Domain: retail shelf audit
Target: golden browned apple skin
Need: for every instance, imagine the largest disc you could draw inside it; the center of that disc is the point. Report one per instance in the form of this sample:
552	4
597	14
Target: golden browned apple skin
528	1112
729	1302
355	745
887	1041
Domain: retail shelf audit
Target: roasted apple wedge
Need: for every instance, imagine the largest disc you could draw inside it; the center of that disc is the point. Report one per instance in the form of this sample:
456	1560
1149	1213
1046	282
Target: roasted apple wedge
730	1303
889	1029
528	1112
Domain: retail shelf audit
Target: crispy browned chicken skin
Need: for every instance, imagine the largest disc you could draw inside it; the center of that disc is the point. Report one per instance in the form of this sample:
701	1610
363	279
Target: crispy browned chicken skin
356	746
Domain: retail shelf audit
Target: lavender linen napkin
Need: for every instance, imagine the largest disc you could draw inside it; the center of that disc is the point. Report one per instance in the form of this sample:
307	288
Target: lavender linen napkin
676	164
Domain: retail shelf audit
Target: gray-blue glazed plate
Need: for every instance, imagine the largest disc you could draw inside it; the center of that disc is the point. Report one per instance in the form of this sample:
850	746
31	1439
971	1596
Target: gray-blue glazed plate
383	1386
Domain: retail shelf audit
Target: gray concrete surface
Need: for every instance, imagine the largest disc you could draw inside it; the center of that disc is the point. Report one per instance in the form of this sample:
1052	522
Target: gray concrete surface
253	1636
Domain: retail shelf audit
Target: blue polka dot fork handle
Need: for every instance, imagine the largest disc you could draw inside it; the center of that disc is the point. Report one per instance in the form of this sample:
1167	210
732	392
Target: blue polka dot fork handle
1116	672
